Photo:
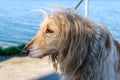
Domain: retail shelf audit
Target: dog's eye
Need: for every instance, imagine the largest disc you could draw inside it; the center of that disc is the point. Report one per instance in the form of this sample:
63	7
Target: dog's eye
49	30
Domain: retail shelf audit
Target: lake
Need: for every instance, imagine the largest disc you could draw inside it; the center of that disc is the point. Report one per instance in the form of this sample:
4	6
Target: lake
18	22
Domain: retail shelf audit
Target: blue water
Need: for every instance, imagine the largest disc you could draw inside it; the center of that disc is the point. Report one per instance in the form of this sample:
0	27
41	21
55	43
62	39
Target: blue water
18	23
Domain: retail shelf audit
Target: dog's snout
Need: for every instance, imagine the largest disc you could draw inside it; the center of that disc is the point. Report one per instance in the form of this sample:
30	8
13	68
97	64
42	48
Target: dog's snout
25	52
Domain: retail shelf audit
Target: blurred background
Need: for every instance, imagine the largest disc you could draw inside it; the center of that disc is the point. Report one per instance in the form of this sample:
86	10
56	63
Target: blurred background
18	23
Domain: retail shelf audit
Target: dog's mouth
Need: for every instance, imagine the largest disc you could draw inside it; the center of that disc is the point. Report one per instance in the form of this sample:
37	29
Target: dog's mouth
38	53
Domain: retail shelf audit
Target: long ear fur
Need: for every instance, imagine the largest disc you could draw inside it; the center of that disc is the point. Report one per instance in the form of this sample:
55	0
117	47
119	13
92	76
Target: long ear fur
77	38
85	50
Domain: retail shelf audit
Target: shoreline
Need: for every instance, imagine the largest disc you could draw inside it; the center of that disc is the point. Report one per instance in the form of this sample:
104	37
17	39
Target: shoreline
25	68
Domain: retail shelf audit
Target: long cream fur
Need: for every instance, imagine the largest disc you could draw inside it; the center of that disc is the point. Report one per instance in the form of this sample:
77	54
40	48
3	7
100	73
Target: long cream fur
89	50
83	49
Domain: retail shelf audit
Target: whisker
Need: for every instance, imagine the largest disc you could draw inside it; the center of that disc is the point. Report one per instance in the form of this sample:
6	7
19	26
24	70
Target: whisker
41	11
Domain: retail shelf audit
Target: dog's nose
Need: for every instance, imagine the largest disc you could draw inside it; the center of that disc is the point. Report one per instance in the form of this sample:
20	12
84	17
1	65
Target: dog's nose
25	52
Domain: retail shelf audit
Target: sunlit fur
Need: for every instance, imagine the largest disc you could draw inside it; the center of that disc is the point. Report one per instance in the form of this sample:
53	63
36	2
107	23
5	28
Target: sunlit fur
83	49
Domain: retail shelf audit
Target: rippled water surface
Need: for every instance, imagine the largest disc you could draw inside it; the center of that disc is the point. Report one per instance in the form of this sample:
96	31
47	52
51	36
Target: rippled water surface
18	22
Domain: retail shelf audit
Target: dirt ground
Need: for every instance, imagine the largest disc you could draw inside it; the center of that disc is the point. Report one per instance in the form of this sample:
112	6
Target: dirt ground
25	68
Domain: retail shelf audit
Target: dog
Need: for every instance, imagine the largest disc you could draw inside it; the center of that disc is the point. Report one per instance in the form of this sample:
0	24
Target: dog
83	49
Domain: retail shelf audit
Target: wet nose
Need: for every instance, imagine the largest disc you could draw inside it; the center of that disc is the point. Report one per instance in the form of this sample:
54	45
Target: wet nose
25	52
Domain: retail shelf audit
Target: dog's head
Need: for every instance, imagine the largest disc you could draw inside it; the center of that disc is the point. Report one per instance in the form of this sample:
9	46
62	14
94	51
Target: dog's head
47	40
61	32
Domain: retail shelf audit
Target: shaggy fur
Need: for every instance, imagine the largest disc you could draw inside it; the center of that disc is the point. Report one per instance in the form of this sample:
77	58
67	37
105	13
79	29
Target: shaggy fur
83	49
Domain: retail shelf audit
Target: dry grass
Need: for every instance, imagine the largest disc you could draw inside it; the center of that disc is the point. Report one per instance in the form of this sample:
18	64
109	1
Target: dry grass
24	68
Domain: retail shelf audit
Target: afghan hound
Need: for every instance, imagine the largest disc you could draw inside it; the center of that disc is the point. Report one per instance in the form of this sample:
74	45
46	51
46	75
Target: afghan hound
84	50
